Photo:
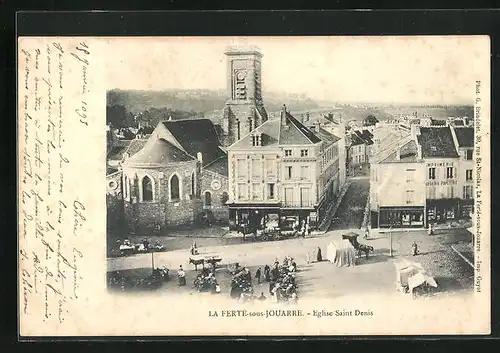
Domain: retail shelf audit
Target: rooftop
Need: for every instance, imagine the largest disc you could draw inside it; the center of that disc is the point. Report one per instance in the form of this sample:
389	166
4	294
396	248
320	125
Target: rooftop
159	151
437	142
197	135
465	136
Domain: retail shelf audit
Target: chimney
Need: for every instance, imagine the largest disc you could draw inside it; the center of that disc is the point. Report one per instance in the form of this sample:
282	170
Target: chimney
283	116
199	157
318	125
307	116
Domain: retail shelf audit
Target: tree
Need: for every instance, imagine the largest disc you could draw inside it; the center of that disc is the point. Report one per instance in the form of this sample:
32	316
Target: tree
118	116
370	120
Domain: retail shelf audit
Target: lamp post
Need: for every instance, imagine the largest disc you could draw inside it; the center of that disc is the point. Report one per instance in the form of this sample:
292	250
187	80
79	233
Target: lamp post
152	263
390	240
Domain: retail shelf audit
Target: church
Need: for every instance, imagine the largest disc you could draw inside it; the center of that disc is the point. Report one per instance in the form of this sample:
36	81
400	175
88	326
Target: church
179	174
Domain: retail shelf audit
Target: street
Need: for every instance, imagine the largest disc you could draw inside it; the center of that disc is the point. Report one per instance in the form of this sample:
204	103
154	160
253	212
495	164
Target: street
375	275
351	209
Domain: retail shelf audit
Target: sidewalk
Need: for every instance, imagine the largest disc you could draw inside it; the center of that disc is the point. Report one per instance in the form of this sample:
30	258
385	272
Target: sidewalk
443	226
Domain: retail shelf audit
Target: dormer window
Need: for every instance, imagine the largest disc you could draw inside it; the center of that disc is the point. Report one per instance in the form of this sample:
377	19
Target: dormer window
257	140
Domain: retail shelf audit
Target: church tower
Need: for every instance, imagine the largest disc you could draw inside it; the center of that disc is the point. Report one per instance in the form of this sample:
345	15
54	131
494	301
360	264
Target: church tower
244	110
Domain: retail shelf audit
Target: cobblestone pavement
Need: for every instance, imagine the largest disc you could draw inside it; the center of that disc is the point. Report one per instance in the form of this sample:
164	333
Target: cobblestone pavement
351	210
435	254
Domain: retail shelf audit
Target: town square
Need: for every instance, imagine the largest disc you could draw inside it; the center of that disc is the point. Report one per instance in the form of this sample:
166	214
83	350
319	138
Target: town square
286	199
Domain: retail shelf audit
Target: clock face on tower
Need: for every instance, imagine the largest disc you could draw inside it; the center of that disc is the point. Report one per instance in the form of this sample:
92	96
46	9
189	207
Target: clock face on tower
240	76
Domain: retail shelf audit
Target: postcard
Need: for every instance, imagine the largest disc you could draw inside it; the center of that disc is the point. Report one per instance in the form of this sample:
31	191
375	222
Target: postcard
194	186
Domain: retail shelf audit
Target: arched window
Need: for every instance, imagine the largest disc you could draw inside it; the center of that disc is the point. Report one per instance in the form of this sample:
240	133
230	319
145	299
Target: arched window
147	189
192	185
208	198
224	197
174	188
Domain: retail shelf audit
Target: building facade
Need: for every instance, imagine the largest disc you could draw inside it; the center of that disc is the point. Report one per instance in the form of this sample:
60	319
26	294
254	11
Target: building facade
437	186
285	169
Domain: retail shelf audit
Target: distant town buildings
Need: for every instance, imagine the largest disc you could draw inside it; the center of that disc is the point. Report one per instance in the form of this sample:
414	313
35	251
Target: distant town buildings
359	145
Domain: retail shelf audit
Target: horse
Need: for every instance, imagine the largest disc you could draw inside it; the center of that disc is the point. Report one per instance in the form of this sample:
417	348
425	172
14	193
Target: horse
363	248
197	262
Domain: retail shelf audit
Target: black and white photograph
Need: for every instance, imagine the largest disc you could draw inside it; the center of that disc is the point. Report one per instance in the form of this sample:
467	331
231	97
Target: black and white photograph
279	181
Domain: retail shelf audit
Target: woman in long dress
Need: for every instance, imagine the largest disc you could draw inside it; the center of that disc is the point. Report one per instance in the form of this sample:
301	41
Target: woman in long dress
319	256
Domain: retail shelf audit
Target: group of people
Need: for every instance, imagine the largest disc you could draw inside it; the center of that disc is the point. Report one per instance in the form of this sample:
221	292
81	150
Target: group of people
241	284
206	281
144	246
303	228
282	284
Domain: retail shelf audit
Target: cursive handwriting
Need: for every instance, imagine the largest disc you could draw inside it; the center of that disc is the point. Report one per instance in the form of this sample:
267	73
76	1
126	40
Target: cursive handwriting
50	259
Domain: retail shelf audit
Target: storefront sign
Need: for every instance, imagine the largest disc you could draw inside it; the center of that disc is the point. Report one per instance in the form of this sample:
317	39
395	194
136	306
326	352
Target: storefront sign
440	183
440	164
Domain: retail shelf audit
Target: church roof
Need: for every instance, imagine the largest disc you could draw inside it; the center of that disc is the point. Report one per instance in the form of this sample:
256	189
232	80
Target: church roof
197	135
159	151
219	166
135	146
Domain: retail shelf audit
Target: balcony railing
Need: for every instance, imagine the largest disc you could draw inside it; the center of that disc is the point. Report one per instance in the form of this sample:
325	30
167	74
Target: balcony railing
297	204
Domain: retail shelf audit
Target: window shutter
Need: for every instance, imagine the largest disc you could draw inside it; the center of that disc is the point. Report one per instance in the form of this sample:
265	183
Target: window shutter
455	175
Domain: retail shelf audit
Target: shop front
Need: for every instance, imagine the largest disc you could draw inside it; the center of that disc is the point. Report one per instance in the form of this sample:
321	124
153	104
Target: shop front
251	215
442	210
466	208
401	217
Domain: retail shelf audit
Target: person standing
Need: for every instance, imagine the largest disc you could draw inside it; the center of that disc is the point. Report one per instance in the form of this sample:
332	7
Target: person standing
182	276
267	274
319	257
414	247
257	275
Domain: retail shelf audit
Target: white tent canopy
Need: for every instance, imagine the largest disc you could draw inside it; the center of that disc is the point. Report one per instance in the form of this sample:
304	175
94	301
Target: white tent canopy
341	253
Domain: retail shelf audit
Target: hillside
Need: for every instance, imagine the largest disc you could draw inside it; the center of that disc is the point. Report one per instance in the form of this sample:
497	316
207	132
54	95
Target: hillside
200	101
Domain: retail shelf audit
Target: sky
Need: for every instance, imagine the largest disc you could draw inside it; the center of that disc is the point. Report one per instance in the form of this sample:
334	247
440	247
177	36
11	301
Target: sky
435	70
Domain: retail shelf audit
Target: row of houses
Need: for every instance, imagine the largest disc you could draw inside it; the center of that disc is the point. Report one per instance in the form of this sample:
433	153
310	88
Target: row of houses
422	176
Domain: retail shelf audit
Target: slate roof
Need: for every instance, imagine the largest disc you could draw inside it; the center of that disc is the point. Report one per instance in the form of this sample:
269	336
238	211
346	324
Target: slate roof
116	152
219	166
437	142
295	133
159	151
465	136
356	140
327	136
197	135
135	146
270	131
